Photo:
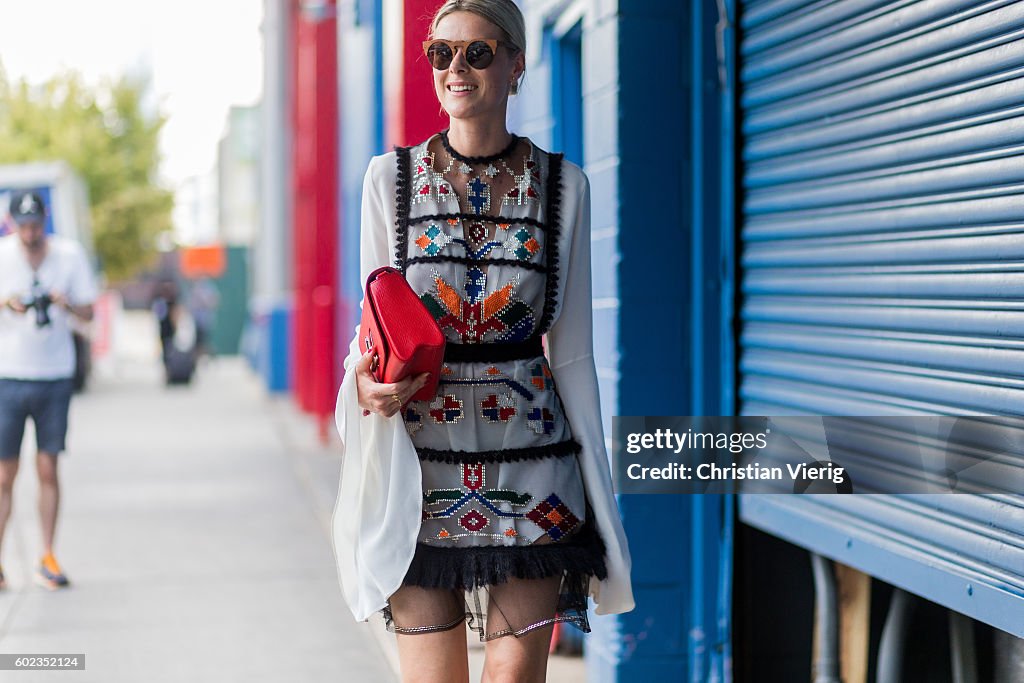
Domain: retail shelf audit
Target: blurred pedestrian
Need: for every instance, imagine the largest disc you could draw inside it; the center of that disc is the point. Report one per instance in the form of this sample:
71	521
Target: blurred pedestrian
178	335
45	282
164	305
490	504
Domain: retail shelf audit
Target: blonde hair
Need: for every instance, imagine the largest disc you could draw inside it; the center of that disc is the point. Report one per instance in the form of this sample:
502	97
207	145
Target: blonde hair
504	14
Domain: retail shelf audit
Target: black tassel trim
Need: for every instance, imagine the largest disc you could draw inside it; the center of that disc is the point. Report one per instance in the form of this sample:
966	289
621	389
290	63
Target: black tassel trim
469	260
481	218
477	160
552	217
555	450
404	192
472	567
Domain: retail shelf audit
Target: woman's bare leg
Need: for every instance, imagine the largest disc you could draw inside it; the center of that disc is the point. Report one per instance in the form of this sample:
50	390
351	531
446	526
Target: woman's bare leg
432	657
515	605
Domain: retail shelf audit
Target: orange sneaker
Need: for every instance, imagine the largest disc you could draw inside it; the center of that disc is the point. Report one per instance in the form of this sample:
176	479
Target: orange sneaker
50	575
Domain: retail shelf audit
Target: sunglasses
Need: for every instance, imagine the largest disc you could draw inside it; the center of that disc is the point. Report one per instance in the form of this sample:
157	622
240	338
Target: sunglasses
479	53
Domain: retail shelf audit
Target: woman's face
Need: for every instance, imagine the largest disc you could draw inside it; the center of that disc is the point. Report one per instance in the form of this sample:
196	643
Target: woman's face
480	93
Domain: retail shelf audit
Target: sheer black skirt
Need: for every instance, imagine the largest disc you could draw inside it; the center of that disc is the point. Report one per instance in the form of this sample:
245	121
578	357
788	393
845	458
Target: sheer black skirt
499	590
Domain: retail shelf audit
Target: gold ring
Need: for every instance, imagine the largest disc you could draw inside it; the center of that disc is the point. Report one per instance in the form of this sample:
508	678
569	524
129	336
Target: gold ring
397	399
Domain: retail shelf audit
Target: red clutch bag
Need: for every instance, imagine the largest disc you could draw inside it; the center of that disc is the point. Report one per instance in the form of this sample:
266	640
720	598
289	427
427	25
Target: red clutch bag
401	332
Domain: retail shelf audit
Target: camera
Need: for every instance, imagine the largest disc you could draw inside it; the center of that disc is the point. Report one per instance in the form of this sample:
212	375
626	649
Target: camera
40	301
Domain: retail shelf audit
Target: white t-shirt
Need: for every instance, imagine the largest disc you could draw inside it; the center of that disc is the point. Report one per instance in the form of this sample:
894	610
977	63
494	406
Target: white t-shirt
28	351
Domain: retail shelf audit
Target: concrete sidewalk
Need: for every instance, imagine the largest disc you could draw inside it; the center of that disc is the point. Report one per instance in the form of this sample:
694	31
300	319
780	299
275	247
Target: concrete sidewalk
320	468
195	548
195	528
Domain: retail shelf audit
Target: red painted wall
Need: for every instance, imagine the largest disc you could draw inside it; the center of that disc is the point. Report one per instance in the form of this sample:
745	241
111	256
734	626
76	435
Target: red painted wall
412	108
315	207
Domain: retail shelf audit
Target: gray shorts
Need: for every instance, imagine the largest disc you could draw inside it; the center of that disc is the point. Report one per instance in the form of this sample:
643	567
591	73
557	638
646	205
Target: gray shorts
46	402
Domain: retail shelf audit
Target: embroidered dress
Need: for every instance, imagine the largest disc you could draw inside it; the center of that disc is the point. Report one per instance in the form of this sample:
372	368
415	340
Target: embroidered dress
503	496
492	501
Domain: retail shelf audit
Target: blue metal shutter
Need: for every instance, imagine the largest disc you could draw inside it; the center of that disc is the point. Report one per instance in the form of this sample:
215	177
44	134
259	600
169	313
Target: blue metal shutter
883	264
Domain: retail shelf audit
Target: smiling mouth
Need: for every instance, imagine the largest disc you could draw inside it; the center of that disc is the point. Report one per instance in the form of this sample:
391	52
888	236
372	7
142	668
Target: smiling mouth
461	88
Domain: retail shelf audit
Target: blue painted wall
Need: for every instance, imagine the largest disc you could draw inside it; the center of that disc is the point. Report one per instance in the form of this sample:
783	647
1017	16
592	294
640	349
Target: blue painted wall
657	154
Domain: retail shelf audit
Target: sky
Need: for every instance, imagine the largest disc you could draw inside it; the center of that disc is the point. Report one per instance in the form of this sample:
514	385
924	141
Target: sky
203	56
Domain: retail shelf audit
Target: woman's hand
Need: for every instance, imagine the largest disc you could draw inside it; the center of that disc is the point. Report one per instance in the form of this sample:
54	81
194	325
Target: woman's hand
380	398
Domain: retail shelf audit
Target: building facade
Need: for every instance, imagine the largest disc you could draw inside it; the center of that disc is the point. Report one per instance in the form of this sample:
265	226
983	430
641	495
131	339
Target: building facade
798	208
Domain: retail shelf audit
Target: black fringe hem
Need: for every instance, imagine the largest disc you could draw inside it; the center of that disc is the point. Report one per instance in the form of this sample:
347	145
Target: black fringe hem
555	450
472	567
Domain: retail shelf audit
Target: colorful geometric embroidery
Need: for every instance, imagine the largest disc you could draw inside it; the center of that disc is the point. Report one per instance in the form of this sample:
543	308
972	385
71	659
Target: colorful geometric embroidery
479	253
522	244
478	194
494	378
430	184
490	171
465	168
446	409
473	477
540	376
444	535
527	186
474	521
476	232
433	240
413	420
476	284
553	517
500	312
541	420
498	409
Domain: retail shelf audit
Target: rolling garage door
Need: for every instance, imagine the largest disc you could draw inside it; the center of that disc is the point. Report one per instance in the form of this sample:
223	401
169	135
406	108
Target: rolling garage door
882	265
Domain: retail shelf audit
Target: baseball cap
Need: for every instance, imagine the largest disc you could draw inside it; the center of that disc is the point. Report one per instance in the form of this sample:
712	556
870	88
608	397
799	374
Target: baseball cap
26	206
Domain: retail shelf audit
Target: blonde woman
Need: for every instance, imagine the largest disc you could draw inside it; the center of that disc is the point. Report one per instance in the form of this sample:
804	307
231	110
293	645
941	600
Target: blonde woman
491	504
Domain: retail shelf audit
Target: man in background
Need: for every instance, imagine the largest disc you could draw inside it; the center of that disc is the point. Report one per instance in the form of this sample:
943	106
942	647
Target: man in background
45	281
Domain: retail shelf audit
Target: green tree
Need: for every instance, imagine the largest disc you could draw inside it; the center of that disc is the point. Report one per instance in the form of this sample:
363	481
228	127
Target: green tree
108	136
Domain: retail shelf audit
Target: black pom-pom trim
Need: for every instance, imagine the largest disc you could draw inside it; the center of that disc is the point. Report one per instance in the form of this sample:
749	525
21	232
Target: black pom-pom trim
553	217
404	192
482	218
472	567
555	450
477	160
469	260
